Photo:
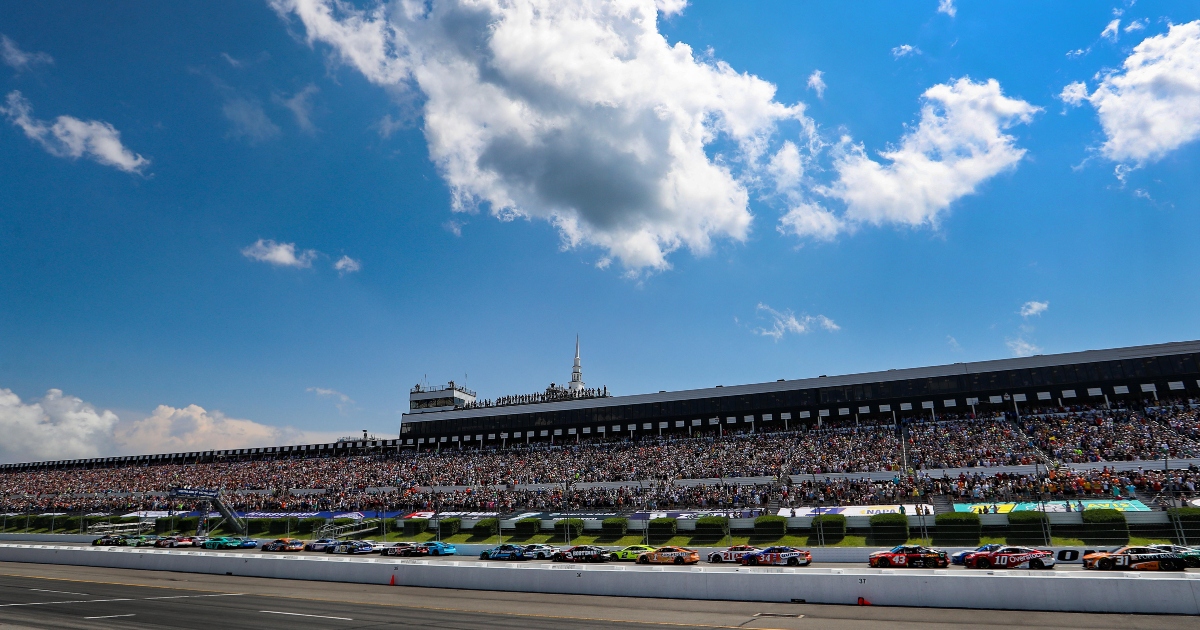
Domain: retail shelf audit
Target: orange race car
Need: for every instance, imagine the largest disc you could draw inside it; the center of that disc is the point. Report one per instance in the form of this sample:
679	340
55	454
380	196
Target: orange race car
1135	558
670	555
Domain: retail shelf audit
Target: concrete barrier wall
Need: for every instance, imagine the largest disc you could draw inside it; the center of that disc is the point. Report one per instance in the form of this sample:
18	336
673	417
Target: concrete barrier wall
1172	593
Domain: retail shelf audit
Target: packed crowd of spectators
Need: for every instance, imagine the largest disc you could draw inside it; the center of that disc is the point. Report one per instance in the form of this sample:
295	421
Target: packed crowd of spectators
1102	435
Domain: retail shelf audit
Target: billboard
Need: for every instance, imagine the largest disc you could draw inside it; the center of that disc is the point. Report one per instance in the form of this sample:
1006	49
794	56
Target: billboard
1001	507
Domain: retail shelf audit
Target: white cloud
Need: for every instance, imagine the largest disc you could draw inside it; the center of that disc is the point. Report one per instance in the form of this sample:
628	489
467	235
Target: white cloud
249	120
811	220
1074	94
387	125
1151	105
1022	348
1030	309
21	60
953	343
785	322
236	63
1111	31
1137	25
343	401
279	254
300	104
816	83
578	113
58	426
346	264
904	50
72	138
947	7
958	144
1078	52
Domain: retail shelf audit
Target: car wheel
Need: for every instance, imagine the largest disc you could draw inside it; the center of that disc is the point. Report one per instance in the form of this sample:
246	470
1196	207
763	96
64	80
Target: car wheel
793	562
1104	564
1036	564
483	556
715	558
614	557
678	560
883	563
541	556
984	563
1192	562
643	560
752	561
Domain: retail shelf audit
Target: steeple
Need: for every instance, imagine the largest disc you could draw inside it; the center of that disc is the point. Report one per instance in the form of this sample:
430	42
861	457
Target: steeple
577	371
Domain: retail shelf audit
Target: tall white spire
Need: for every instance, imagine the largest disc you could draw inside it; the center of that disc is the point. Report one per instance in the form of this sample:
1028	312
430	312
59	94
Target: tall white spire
577	371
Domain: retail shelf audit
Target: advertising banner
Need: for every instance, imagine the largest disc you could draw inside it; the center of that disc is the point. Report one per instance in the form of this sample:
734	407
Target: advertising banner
1052	506
858	510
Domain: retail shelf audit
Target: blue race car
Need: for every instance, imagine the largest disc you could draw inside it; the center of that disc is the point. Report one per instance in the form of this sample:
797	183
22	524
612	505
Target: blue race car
957	558
438	548
249	543
504	552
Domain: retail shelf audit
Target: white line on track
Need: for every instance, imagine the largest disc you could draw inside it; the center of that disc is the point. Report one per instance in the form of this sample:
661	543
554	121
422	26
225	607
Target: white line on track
277	612
112	616
77	601
42	590
188	596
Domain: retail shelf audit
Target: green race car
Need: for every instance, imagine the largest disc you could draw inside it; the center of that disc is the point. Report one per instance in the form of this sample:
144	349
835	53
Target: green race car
1191	555
630	553
223	542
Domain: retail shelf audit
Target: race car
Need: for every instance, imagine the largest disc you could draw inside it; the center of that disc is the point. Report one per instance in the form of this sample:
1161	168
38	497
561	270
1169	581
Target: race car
438	548
504	552
1010	558
411	550
629	553
732	554
109	540
581	553
1191	555
957	557
284	544
248	543
319	545
540	552
915	556
223	542
670	555
789	556
175	541
393	549
141	541
352	547
1135	558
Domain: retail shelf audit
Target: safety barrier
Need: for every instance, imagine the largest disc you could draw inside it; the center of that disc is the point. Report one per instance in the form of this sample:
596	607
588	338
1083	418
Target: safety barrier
1123	592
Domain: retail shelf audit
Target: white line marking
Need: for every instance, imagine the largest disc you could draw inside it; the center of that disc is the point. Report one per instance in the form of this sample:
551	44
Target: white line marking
78	601
187	596
276	612
42	590
111	616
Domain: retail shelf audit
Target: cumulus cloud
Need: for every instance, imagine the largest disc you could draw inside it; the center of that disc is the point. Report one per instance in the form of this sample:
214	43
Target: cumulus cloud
959	143
578	113
811	220
279	254
787	322
1022	348
248	120
1030	309
1111	31
1151	105
58	426
947	7
342	400
18	59
346	264
300	104
904	50
816	83
70	137
1137	25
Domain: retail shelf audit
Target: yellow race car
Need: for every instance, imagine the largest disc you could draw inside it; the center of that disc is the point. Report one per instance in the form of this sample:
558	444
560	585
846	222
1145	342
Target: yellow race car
670	555
630	553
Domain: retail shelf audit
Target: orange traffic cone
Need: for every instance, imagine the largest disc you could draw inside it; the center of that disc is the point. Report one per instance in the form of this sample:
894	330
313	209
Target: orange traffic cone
862	601
393	582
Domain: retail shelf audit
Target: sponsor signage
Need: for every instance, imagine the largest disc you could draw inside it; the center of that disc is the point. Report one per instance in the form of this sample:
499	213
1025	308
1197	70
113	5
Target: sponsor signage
858	510
195	492
1051	506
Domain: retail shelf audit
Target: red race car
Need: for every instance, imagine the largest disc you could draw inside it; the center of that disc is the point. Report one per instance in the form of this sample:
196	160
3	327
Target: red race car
914	556
1010	558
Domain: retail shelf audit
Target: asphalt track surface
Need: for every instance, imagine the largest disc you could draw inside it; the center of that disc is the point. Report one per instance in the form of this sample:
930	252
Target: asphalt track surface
51	596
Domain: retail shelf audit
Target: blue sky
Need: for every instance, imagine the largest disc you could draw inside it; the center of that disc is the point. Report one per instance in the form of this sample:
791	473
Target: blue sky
178	184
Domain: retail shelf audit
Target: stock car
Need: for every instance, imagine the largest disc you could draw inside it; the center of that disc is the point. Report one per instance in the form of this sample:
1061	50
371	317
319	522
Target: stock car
142	541
581	553
789	556
320	545
393	549
352	547
670	555
411	550
284	544
540	552
504	552
109	540
1191	555
1010	558
223	542
176	541
439	548
915	556
629	553
1135	558
248	543
957	557
732	554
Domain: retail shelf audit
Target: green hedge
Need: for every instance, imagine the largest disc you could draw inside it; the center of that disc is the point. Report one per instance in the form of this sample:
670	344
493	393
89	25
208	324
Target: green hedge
1183	514
449	526
663	528
528	527
712	526
257	526
957	528
614	527
770	526
486	528
414	526
830	528
309	525
889	529
564	525
1104	527
282	527
1028	528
